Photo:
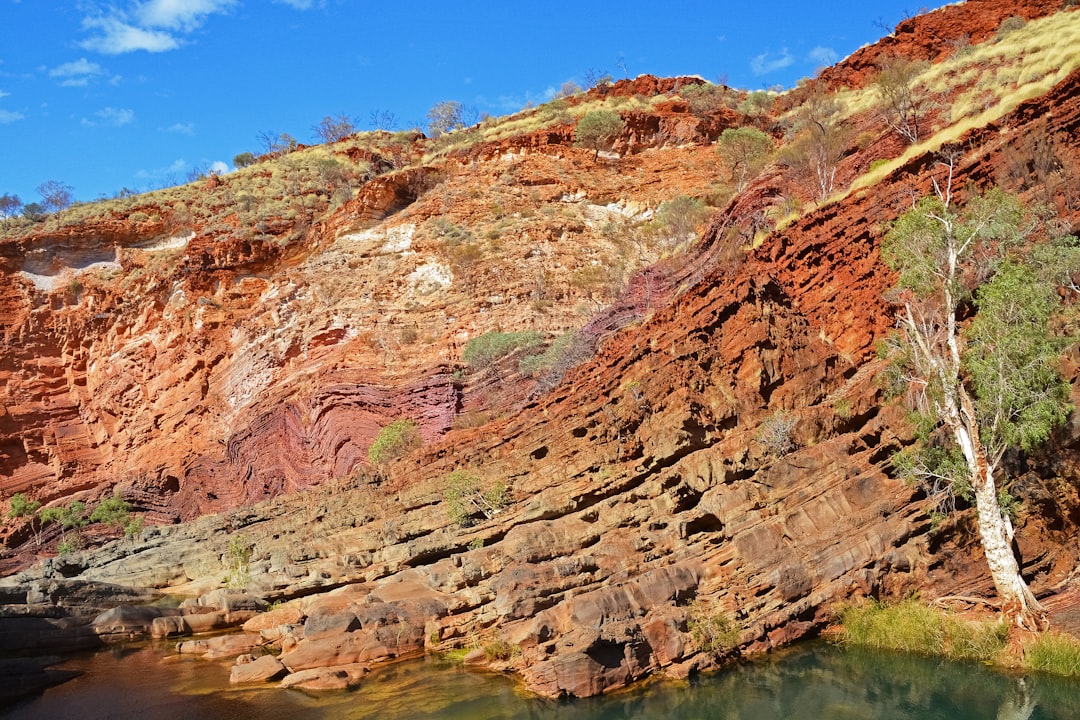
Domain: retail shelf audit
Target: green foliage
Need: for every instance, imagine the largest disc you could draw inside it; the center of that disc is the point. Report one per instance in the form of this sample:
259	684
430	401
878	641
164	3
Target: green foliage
22	507
68	517
919	242
704	98
237	562
482	351
939	469
133	527
678	220
501	650
243	160
394	440
534	365
1012	360
713	633
1055	653
757	103
879	163
1008	354
597	129
745	150
911	626
468	498
112	511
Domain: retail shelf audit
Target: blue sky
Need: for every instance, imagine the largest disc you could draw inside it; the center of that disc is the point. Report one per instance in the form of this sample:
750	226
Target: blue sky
108	94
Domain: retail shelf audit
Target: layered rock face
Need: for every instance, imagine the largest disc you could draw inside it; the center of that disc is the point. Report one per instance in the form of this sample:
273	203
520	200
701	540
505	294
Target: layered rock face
723	460
196	371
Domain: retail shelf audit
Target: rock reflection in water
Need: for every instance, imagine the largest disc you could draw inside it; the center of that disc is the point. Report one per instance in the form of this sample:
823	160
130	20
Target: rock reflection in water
817	681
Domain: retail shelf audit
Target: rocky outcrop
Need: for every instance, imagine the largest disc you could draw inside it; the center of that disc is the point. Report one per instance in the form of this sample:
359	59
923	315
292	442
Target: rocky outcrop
722	458
935	35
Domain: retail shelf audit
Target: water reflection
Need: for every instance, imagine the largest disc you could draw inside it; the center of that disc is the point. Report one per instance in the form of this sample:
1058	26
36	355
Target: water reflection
810	682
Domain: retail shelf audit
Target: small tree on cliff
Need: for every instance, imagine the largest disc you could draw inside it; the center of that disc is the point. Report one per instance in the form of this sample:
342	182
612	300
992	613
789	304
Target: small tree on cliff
444	117
55	196
10	206
903	104
23	508
596	130
745	151
815	151
981	387
333	129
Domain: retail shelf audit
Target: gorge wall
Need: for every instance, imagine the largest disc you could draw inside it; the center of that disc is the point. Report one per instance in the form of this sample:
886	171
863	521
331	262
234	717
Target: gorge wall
726	451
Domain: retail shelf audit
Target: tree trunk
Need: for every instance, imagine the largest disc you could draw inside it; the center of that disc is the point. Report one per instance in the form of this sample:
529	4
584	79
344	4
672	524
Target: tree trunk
1018	604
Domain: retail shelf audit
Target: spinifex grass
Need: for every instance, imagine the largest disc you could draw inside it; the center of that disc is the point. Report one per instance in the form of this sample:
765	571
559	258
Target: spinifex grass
912	626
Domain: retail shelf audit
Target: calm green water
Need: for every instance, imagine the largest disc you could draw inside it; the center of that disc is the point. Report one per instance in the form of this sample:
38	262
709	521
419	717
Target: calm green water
817	681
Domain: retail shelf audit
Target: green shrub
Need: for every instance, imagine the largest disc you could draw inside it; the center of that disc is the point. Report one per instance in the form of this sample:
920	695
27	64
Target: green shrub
469	499
237	562
69	517
22	507
111	511
1055	653
703	98
678	219
757	103
501	650
394	440
596	130
534	365
485	349
745	151
713	633
243	160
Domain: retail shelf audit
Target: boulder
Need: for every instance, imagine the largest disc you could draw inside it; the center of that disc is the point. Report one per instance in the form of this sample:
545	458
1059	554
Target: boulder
221	646
289	614
341	677
256	670
130	621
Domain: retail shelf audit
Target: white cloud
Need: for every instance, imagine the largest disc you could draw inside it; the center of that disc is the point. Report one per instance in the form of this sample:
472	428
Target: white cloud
77	73
220	168
113	117
151	25
118	37
185	15
6	116
822	56
178	166
764	64
181	128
